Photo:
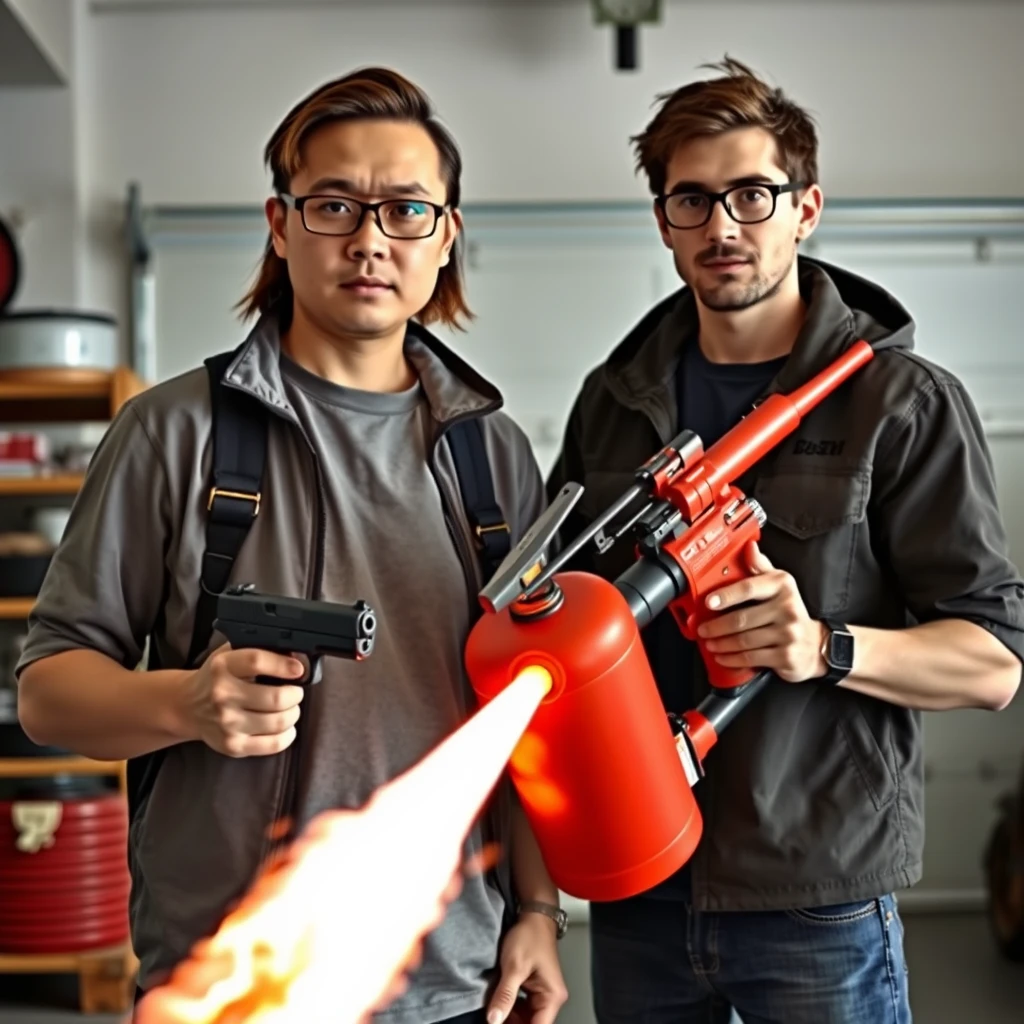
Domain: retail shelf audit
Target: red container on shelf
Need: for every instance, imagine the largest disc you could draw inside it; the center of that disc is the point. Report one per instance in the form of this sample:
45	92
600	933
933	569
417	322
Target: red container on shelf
64	878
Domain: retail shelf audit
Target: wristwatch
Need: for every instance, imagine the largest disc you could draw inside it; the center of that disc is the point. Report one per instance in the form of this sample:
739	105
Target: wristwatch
837	650
557	914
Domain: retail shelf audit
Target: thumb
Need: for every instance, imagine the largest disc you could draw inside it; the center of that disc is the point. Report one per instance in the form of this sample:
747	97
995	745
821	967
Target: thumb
757	560
504	998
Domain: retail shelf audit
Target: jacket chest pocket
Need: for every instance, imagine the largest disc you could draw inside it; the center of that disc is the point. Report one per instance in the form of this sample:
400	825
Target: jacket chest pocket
812	530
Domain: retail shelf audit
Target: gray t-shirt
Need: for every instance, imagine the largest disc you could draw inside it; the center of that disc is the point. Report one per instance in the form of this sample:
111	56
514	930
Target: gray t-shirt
387	543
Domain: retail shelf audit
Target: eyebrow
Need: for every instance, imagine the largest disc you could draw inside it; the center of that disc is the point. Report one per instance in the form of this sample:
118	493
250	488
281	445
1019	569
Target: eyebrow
699	186
412	188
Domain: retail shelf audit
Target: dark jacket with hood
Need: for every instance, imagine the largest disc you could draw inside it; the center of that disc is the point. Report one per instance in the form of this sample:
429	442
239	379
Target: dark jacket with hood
882	505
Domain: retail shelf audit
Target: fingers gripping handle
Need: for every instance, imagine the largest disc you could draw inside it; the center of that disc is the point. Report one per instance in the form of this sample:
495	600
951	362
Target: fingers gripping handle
312	675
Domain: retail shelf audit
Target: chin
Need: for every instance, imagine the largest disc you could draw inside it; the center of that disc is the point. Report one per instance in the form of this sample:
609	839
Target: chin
360	327
730	300
362	320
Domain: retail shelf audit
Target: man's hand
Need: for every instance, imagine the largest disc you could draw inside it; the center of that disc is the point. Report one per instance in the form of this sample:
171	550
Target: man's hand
775	632
233	714
529	961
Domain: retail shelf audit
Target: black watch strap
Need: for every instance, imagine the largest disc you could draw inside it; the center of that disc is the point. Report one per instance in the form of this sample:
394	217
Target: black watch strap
837	650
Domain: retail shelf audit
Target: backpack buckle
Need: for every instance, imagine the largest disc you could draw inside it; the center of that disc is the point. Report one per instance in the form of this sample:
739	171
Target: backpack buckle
495	528
216	492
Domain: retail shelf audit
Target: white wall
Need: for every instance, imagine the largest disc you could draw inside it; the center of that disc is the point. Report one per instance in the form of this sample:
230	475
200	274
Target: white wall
913	98
909	94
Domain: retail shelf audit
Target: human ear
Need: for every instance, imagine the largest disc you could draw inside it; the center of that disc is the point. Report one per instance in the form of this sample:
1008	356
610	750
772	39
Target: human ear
277	215
809	211
452	227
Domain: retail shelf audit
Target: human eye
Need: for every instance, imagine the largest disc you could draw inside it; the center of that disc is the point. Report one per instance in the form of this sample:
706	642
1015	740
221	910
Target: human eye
689	200
331	206
753	195
407	209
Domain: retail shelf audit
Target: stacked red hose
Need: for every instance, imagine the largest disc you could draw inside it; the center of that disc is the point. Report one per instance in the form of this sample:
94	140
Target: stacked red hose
64	878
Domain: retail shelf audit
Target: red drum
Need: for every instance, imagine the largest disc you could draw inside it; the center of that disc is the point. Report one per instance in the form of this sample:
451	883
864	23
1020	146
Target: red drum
64	879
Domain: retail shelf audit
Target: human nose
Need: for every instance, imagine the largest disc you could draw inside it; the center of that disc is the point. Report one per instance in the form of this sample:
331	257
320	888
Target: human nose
720	226
368	241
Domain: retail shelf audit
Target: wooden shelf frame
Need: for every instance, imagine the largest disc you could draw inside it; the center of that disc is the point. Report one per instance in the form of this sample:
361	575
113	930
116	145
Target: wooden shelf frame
62	401
40	485
16	607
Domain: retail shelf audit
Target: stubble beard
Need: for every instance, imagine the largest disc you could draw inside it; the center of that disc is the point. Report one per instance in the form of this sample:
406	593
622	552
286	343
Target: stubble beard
730	297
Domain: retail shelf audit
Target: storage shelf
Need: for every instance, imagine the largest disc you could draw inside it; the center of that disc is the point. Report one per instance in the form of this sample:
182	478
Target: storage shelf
34	486
16	607
60	400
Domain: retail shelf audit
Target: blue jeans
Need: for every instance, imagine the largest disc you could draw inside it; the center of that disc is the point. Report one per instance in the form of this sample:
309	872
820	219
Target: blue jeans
661	962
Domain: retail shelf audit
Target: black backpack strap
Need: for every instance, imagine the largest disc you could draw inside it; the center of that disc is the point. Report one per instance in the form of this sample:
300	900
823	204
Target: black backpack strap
239	451
466	439
239	430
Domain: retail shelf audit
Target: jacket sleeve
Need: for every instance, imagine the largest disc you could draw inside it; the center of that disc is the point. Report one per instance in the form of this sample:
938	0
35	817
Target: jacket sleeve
107	579
936	513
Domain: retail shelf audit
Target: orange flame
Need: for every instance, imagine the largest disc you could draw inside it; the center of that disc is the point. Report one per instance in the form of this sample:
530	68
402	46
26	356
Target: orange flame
330	929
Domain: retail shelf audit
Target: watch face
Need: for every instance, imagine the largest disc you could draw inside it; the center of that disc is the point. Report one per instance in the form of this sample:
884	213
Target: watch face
840	650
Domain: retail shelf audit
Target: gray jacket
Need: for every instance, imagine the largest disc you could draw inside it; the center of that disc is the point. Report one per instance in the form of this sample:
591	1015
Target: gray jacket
883	507
127	572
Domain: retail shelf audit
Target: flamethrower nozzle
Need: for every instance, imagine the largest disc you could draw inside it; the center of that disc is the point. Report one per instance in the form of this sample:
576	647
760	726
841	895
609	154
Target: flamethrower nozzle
539	676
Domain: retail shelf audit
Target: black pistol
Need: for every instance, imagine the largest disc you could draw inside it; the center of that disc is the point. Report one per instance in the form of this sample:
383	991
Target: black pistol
292	625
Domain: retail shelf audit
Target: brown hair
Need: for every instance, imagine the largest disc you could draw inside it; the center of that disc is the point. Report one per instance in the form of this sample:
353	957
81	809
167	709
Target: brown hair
363	94
739	99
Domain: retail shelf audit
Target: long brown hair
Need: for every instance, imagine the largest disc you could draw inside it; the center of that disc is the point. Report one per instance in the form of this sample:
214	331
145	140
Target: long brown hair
738	99
378	93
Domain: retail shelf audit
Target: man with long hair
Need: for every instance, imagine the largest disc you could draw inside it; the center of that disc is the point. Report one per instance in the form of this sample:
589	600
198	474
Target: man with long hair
881	587
360	498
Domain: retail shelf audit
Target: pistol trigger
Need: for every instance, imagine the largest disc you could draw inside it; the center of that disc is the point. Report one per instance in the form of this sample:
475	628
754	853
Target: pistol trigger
316	669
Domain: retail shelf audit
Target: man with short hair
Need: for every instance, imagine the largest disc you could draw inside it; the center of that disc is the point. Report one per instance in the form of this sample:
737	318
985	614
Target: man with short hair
881	585
361	498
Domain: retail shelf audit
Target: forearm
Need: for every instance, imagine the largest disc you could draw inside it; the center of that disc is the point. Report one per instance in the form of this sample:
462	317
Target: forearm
85	702
529	872
937	666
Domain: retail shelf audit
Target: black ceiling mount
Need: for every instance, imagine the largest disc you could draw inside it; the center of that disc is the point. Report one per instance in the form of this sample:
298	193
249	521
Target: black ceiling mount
625	17
625	48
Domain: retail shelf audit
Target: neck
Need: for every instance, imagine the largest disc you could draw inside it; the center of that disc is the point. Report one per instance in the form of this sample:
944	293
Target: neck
375	363
767	330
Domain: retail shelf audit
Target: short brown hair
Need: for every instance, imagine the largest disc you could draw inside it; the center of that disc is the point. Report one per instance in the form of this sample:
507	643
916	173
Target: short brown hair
738	99
377	93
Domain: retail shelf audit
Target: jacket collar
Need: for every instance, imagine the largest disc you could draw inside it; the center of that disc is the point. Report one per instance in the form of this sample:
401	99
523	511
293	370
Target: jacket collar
453	388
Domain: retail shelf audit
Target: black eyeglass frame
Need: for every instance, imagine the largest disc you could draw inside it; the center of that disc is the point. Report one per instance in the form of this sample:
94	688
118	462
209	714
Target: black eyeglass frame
773	188
298	203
